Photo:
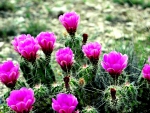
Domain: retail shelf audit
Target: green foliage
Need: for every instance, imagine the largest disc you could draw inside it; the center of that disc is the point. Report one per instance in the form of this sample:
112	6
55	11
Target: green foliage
21	84
57	88
5	5
44	95
43	101
37	72
2	56
140	48
93	90
143	92
45	71
34	28
89	109
85	72
110	18
27	73
133	69
143	3
4	108
75	43
8	31
126	99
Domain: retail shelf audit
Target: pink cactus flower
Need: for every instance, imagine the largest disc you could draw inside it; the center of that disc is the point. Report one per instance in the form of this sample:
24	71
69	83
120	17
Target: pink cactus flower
70	21
92	51
114	63
17	40
9	73
21	101
26	46
146	72
65	103
65	58
46	40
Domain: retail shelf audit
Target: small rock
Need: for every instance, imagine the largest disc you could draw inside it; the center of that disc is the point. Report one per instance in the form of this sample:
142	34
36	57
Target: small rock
1	44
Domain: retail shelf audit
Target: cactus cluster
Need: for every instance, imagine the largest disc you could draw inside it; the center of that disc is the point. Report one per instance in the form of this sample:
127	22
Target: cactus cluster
89	85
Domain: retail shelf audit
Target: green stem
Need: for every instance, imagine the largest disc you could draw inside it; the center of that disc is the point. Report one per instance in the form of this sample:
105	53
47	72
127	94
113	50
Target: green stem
47	59
47	64
94	70
34	73
115	80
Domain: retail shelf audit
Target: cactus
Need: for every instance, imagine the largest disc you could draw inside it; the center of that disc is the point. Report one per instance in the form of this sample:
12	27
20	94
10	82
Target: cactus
89	109
39	72
75	44
96	90
42	95
125	101
88	82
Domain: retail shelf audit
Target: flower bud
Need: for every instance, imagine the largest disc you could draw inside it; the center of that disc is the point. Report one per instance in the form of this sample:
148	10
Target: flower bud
81	82
85	37
113	93
70	21
66	80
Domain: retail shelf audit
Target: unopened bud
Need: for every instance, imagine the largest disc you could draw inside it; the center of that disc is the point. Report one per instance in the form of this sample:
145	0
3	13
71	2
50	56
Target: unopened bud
84	66
85	37
127	84
66	80
113	93
81	82
65	34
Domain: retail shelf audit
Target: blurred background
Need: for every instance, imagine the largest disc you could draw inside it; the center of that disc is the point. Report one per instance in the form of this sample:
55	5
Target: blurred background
113	23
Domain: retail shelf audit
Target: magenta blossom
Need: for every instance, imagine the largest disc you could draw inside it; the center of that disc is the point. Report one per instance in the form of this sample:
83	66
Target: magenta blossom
114	63
26	46
46	40
64	58
70	21
64	103
9	73
146	72
92	51
21	100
